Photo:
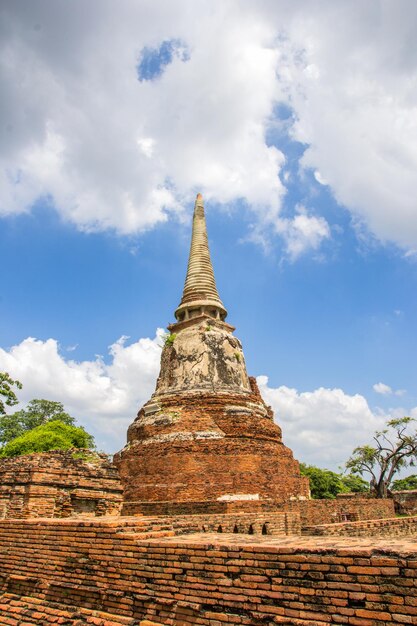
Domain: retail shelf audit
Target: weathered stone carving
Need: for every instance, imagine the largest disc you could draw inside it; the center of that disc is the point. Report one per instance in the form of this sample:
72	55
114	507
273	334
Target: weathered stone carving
203	357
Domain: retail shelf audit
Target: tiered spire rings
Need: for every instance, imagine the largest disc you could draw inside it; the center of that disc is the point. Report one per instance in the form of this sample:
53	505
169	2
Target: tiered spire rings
200	295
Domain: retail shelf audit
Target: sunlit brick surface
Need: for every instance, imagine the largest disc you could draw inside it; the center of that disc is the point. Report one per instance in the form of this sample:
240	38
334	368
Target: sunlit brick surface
208	579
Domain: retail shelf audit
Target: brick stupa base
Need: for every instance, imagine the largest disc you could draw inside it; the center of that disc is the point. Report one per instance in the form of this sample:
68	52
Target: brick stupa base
234	461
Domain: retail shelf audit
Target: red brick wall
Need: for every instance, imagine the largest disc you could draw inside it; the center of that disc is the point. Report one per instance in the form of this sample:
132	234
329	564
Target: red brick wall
312	512
257	523
405	502
208	579
59	484
315	512
396	527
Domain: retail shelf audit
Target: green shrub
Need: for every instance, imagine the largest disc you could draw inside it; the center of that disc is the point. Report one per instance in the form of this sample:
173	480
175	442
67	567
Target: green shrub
327	484
54	435
169	339
323	482
405	484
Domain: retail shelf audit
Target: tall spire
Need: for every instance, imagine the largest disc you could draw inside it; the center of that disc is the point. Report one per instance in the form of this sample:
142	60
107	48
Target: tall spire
200	295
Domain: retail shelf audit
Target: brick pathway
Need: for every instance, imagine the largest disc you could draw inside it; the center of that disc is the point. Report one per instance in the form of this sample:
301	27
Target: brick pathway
364	545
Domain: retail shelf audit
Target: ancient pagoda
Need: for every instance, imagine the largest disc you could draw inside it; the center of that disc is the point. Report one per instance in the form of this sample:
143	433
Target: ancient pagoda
205	441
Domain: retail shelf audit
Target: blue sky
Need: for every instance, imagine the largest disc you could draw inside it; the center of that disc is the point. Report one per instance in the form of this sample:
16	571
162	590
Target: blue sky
307	166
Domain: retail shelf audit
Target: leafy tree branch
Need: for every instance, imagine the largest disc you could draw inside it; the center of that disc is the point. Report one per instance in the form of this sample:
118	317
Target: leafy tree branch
394	448
7	394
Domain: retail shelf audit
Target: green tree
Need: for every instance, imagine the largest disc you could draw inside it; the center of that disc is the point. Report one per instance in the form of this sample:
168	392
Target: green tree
323	482
393	448
36	413
7	394
54	435
405	484
327	484
355	484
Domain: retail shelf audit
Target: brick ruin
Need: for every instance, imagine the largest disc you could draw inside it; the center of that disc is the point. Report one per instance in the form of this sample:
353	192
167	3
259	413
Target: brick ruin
215	525
405	502
59	484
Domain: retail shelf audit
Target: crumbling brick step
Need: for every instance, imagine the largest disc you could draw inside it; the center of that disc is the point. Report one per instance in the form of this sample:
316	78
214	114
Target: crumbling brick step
151	534
391	527
298	622
26	611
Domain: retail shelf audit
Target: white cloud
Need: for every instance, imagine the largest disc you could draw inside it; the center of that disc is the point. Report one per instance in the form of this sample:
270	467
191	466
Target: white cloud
386	390
104	397
323	426
319	178
115	152
353	92
302	233
382	388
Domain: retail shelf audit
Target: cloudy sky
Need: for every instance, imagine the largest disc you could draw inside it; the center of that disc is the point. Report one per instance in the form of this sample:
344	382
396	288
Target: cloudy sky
296	120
